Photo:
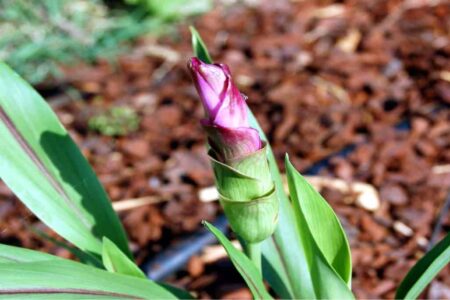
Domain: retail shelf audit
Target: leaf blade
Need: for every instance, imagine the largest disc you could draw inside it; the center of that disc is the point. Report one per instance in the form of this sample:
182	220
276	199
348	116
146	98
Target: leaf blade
245	267
37	153
116	261
11	254
36	275
425	270
320	279
61	277
325	228
199	46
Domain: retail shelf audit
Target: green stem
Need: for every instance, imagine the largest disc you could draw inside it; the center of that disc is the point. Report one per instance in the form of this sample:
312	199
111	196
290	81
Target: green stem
253	251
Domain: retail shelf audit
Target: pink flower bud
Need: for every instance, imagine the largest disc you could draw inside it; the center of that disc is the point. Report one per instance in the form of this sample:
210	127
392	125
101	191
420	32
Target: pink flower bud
226	122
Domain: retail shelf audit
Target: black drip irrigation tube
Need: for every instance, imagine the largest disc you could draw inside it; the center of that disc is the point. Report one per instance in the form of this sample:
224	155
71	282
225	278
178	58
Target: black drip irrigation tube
175	258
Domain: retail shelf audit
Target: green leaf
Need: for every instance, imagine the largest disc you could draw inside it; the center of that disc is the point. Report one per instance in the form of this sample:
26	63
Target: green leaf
84	257
325	227
116	262
11	254
63	279
281	267
425	270
244	266
320	280
178	9
199	47
42	165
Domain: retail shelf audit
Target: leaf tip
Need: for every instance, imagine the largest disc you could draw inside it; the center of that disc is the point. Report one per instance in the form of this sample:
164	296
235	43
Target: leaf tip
288	164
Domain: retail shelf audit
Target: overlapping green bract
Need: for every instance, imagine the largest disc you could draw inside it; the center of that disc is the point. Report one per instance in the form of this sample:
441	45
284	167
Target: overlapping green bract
247	194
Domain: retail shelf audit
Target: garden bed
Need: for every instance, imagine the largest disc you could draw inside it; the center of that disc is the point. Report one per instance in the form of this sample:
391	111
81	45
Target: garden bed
318	79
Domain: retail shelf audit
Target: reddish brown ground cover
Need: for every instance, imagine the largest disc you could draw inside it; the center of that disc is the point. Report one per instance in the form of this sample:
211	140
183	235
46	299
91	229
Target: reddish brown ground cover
319	76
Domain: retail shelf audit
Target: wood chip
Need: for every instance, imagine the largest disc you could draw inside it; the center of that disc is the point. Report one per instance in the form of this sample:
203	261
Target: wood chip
136	202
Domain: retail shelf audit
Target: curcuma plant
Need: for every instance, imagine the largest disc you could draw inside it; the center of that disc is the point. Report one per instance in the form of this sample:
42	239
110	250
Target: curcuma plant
294	245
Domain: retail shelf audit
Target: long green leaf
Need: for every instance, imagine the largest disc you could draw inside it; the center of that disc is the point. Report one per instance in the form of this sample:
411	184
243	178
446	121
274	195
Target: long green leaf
244	266
425	270
46	170
116	262
324	226
279	251
11	254
319	278
84	257
62	279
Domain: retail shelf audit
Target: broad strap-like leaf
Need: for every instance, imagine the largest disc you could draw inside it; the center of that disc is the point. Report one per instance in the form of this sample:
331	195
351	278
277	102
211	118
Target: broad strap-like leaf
425	270
325	228
116	262
319	278
11	254
281	267
84	257
280	249
63	279
244	266
42	165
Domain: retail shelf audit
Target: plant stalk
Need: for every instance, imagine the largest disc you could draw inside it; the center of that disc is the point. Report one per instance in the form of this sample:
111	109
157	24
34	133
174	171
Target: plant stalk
253	251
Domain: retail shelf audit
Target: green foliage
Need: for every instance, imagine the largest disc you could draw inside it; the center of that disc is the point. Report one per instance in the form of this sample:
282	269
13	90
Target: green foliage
116	261
45	169
173	9
315	214
245	267
37	37
425	270
198	46
42	165
34	275
10	254
84	257
324	260
116	121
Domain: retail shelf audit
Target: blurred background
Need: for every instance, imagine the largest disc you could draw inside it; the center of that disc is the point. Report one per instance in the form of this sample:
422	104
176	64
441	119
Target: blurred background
357	92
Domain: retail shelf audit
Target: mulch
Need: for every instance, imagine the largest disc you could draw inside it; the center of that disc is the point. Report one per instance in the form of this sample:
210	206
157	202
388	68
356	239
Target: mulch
319	76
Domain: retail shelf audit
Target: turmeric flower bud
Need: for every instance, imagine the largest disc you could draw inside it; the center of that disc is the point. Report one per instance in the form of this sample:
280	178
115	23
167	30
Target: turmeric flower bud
238	155
226	122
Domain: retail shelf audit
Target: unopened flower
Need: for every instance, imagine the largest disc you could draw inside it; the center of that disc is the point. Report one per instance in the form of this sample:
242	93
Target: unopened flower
226	122
238	155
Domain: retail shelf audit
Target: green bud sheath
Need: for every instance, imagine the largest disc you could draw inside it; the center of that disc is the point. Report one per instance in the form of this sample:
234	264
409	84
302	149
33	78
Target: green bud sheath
247	194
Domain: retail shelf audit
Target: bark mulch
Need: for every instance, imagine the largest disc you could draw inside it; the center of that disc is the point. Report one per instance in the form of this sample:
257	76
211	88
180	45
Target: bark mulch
319	76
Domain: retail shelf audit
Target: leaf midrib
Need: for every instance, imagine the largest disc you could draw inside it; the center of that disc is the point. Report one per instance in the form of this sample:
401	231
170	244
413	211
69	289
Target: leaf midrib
73	291
41	166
